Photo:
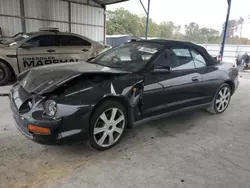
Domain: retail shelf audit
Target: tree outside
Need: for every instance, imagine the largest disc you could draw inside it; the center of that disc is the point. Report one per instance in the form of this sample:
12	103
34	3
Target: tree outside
122	21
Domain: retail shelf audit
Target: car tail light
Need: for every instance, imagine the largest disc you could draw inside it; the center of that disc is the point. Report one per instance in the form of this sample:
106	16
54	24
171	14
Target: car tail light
219	58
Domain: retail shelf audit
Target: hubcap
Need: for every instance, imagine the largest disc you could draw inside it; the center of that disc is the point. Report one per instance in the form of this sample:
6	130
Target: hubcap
109	127
223	99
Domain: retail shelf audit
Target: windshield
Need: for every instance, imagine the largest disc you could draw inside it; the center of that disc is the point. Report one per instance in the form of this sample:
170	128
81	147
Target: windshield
20	37
17	38
129	56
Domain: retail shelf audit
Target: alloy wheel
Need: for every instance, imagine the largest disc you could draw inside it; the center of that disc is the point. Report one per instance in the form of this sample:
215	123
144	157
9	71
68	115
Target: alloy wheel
109	127
223	99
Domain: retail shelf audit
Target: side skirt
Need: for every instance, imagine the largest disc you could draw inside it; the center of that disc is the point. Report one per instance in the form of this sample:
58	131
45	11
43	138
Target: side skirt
161	116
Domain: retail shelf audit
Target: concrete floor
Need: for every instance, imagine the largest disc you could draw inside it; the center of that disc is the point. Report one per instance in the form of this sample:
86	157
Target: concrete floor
190	150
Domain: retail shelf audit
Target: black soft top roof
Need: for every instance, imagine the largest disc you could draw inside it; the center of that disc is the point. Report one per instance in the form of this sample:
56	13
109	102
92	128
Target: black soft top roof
183	44
168	42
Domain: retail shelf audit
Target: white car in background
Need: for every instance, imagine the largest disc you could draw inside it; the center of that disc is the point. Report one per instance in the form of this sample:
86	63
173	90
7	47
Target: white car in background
44	47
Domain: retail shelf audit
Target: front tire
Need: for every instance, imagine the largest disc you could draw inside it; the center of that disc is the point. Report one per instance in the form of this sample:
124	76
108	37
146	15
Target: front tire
221	100
107	125
5	74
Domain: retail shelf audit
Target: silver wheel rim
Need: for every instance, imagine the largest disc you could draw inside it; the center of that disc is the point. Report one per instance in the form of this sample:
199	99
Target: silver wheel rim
223	99
109	127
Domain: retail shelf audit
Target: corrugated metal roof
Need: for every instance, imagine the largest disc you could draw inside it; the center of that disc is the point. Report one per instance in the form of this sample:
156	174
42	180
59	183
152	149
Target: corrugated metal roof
97	2
108	2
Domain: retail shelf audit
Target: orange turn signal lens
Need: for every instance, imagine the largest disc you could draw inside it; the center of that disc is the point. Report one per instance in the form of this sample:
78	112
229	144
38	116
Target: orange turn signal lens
38	130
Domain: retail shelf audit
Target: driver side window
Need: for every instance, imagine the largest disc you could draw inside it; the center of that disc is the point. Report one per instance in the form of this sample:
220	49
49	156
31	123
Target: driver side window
176	59
43	41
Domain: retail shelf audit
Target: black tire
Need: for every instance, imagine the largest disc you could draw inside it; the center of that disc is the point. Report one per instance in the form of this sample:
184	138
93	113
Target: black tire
214	108
104	107
6	74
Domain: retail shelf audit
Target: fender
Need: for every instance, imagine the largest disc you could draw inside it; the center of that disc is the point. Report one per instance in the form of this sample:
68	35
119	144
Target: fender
133	97
132	94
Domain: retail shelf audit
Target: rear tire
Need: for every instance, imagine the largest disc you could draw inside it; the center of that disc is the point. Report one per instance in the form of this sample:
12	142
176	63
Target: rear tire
5	74
221	100
107	125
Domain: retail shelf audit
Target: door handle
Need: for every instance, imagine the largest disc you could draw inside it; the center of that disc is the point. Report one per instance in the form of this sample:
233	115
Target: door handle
50	50
85	50
195	79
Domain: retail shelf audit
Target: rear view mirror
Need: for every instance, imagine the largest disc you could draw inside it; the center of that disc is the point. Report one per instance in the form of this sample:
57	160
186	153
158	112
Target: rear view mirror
162	69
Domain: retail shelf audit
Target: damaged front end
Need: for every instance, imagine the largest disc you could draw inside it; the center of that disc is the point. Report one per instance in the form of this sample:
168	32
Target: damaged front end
60	101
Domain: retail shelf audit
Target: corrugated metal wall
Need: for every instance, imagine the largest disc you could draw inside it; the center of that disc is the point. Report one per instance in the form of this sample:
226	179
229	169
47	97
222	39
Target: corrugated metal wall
88	21
33	25
10	7
86	18
10	23
46	13
47	9
230	51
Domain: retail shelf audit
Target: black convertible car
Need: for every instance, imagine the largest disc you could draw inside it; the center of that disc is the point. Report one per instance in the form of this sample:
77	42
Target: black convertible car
98	99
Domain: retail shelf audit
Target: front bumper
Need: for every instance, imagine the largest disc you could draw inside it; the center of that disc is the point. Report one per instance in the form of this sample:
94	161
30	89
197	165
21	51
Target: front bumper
22	121
60	128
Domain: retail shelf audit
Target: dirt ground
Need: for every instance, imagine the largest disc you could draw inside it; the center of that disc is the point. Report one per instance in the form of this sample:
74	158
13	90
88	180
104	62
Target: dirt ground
194	149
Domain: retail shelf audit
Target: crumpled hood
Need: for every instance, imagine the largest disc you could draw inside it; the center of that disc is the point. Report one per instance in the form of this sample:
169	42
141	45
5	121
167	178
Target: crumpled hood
47	78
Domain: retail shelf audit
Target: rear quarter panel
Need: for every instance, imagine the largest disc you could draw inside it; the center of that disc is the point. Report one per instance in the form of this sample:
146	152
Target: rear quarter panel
212	78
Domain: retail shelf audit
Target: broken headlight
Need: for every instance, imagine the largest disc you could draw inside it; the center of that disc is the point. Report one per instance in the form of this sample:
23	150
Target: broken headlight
50	108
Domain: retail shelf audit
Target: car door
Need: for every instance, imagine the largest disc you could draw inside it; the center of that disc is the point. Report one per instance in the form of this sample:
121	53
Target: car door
152	95
209	83
179	83
73	48
37	51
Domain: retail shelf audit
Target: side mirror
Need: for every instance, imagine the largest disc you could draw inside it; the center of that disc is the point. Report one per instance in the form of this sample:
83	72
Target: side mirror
162	69
27	45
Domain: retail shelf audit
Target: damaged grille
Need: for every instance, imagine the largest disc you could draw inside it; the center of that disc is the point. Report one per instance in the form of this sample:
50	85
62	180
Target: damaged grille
27	106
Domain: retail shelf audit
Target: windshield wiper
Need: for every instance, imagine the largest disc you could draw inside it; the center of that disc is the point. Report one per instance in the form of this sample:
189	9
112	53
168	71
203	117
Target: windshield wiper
113	66
104	65
94	62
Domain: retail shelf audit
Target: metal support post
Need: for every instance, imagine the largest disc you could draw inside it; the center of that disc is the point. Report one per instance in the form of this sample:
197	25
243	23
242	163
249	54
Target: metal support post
147	14
70	19
225	31
22	12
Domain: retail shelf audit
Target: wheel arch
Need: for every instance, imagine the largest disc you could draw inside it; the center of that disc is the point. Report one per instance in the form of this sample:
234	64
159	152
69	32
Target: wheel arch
122	100
9	66
231	84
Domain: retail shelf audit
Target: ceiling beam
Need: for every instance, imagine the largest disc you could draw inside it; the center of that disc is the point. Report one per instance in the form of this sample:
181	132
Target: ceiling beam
108	2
